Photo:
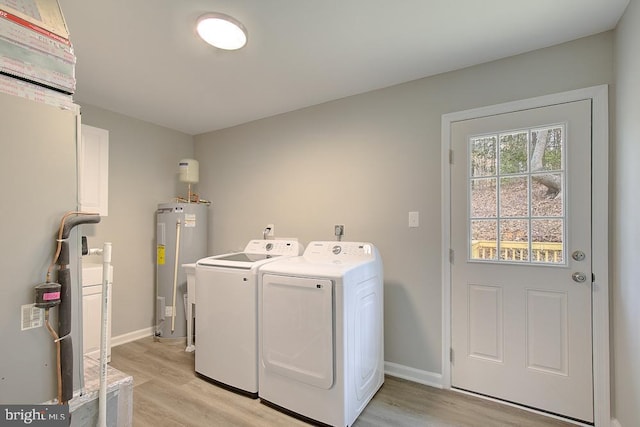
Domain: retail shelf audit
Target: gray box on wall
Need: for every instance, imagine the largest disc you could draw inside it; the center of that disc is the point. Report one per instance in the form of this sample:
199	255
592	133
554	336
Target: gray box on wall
39	184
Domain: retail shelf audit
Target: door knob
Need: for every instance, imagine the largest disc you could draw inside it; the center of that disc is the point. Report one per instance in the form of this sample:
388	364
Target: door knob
579	277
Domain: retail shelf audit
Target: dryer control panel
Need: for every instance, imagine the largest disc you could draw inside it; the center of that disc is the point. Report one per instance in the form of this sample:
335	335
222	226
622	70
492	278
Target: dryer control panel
344	251
274	247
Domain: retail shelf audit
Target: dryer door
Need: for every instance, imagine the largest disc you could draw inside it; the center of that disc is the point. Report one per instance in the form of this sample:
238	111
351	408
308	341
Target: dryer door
297	328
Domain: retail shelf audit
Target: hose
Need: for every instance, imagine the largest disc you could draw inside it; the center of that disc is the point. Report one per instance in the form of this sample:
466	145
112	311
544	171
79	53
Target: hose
64	331
175	277
56	340
61	232
61	258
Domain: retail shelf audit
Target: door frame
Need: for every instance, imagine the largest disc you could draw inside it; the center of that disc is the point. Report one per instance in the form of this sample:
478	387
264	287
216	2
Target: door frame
599	225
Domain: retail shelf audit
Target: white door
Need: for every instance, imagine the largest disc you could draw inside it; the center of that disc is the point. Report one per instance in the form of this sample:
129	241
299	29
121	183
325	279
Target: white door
297	329
521	327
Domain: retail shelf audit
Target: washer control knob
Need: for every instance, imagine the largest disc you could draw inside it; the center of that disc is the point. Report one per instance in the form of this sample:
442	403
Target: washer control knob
269	246
336	249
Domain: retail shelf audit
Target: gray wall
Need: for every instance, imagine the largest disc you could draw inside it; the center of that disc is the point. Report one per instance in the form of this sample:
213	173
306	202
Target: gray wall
366	161
626	227
143	171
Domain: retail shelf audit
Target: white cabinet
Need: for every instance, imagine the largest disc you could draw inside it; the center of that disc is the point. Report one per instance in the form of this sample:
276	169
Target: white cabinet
92	311
93	168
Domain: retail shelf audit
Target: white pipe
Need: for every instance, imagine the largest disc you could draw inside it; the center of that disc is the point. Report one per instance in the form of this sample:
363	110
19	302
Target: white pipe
106	284
175	277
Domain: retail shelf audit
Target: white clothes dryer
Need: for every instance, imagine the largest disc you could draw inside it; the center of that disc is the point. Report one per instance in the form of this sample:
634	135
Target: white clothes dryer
321	332
226	301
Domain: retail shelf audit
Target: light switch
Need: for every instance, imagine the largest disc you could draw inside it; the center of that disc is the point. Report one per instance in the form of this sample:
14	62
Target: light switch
414	219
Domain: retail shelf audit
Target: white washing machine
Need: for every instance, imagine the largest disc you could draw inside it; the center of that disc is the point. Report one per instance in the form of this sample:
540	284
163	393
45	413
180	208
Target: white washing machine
227	310
321	332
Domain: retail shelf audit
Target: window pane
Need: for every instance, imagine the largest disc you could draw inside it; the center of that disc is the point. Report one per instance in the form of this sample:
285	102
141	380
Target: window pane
546	149
546	195
514	196
513	152
547	240
483	155
514	240
484	200
484	239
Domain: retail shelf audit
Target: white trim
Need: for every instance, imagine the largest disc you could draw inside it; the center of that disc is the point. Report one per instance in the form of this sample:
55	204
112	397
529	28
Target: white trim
600	255
431	379
600	231
445	204
131	336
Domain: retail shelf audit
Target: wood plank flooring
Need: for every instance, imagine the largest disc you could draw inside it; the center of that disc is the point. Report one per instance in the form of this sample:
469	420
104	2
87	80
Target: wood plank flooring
167	392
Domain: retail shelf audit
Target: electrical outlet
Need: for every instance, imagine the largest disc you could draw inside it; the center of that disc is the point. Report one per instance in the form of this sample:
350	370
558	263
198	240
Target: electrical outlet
339	230
270	228
414	219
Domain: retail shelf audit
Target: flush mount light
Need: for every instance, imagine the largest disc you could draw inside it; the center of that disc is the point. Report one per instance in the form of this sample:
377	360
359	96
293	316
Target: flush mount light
222	31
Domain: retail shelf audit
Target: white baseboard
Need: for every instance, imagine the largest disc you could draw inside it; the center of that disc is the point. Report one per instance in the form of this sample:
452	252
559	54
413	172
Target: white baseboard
131	336
416	375
615	423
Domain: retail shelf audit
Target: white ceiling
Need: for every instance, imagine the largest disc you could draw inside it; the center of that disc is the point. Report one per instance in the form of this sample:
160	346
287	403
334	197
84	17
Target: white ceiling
142	58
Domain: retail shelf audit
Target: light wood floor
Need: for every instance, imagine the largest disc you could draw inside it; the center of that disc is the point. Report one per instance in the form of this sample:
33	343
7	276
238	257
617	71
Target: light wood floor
167	392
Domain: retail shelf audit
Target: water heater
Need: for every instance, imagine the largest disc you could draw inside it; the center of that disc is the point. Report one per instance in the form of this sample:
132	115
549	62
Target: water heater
181	238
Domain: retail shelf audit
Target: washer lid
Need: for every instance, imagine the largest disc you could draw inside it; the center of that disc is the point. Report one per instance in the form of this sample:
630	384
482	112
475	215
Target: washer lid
237	260
257	252
241	257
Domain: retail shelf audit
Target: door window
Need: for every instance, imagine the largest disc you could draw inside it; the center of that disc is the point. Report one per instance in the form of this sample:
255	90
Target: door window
516	198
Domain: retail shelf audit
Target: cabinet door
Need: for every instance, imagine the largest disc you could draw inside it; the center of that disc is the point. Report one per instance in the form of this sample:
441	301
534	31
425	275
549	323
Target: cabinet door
92	321
93	165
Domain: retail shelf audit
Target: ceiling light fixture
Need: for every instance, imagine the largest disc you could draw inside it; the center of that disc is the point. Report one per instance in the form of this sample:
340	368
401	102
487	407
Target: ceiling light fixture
222	31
